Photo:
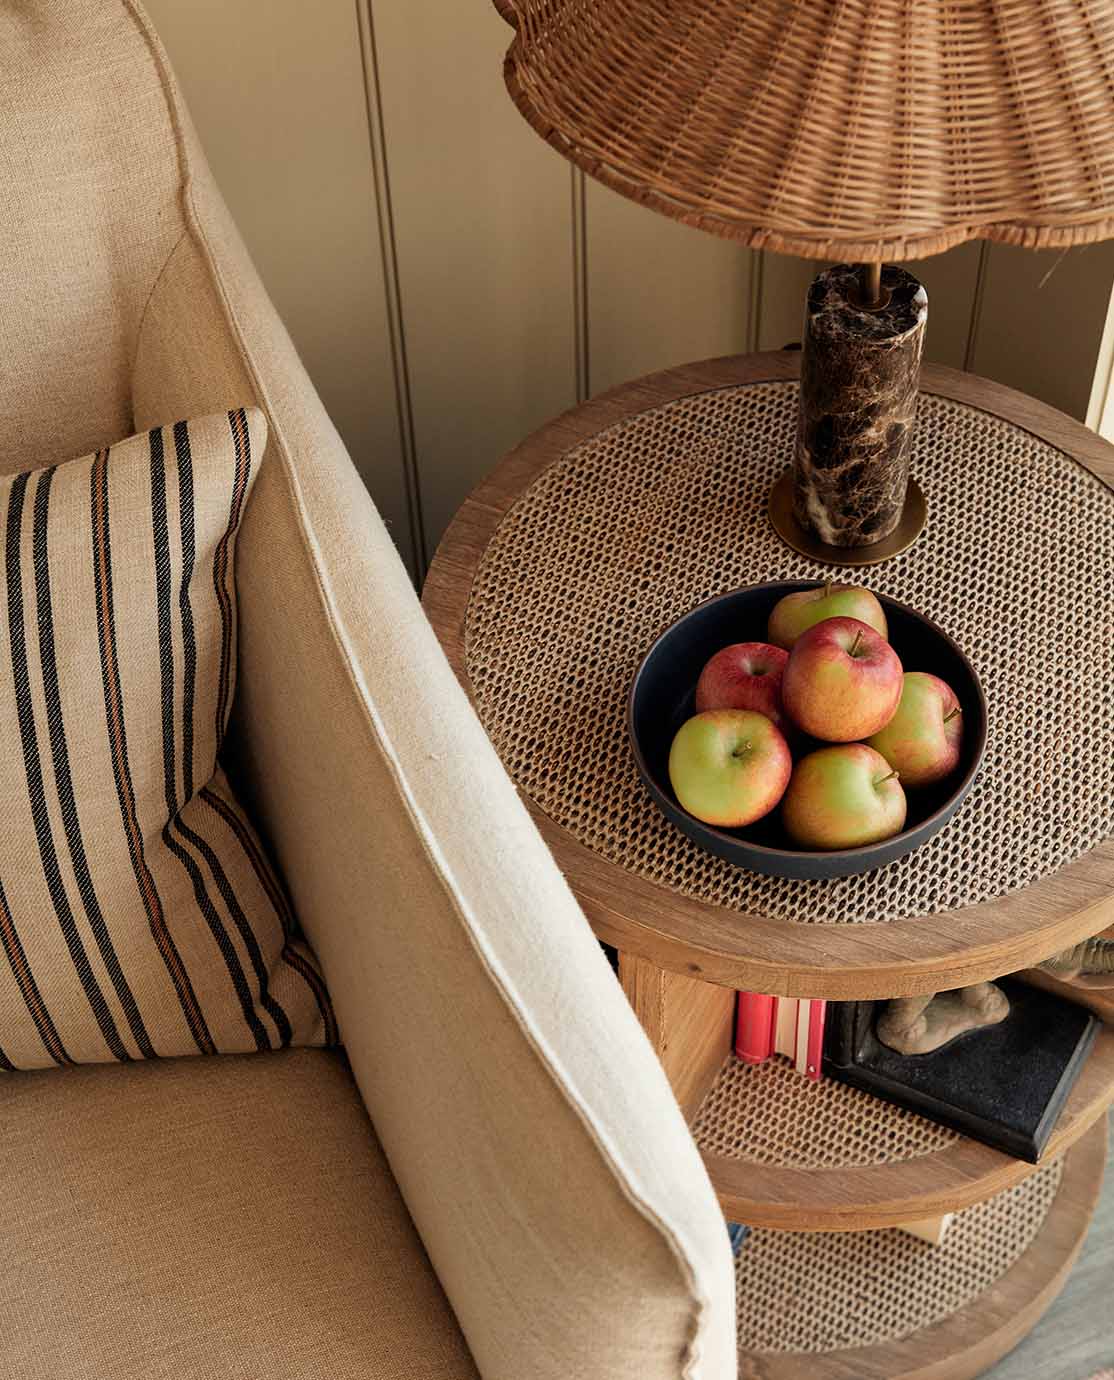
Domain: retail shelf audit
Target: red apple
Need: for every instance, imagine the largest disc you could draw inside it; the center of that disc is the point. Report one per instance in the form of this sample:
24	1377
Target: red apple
923	738
794	614
746	675
842	681
729	767
843	797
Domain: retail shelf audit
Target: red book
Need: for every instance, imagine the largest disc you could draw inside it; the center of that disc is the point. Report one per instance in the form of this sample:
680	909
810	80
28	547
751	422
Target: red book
754	1031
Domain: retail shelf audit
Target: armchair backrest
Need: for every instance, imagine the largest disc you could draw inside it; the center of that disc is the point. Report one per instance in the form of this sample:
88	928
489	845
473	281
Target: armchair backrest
91	209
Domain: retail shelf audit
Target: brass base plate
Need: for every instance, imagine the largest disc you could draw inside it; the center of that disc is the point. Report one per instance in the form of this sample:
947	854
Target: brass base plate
793	534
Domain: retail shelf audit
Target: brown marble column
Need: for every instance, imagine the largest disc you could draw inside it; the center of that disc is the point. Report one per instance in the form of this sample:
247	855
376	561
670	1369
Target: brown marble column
859	376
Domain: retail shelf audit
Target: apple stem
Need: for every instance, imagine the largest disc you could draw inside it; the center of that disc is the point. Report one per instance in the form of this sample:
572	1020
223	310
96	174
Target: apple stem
948	717
883	779
743	747
855	644
827	588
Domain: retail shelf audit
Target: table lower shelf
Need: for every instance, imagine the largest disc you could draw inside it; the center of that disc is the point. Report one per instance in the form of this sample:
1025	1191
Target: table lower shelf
881	1305
788	1153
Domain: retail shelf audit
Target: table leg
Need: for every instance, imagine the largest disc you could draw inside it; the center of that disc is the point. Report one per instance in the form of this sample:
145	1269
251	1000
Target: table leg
690	1024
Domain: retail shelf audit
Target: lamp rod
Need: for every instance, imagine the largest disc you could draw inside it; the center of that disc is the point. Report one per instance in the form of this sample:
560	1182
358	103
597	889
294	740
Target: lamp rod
870	284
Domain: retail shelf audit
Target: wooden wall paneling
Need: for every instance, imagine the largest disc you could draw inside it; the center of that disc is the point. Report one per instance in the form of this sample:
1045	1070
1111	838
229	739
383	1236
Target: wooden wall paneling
580	283
504	285
781	307
950	280
483	238
277	91
1041	321
658	293
993	309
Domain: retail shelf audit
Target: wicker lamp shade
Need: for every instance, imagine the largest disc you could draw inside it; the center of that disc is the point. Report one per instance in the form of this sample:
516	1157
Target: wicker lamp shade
848	129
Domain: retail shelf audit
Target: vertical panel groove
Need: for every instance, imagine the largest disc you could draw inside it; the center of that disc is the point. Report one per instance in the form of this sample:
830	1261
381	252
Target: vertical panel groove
976	307
581	338
754	303
391	284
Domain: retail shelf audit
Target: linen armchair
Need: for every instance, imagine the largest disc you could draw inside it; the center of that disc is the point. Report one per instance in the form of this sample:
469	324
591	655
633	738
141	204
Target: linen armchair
495	1180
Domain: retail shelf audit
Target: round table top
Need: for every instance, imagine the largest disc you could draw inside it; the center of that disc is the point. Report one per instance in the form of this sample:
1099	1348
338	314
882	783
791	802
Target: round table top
608	523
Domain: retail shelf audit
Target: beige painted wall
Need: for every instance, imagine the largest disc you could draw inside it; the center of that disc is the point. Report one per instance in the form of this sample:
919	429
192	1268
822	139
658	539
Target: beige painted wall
450	281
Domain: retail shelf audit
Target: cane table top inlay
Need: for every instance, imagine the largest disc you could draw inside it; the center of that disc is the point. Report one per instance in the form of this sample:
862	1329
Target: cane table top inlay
639	523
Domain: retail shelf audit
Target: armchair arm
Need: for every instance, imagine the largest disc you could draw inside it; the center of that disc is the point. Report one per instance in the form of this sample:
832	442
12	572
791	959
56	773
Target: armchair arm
530	1128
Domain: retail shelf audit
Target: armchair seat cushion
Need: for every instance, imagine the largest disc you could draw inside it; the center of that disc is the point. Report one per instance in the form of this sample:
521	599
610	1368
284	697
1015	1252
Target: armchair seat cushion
210	1219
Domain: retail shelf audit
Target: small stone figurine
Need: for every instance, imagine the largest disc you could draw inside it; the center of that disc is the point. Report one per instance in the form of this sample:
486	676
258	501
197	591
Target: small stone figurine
918	1025
1090	964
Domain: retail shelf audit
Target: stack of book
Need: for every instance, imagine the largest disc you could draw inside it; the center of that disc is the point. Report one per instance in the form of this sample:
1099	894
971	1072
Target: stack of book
794	1028
781	1025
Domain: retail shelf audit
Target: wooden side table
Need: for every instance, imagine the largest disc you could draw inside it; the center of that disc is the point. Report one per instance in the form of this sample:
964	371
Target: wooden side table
556	574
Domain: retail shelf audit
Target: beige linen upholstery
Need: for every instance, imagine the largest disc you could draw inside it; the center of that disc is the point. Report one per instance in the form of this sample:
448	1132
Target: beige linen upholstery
530	1129
88	219
210	1219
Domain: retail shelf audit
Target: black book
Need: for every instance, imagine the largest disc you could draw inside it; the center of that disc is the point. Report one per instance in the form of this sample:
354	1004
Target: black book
1004	1084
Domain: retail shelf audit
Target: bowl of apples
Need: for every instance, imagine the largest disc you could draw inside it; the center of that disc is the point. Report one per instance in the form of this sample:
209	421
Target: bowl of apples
807	730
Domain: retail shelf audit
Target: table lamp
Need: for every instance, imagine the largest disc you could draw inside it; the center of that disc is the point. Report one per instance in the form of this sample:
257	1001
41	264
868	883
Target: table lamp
859	130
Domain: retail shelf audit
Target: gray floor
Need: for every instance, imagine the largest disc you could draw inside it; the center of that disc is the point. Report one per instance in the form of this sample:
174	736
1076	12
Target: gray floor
1075	1337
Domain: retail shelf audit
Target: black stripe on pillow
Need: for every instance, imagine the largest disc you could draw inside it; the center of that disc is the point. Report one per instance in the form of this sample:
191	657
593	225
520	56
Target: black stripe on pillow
25	980
161	533
29	741
262	869
62	777
238	423
118	744
274	892
313	981
247	934
185	612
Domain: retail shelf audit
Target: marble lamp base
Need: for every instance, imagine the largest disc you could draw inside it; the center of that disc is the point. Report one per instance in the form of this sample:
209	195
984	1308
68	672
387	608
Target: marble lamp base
859	372
785	524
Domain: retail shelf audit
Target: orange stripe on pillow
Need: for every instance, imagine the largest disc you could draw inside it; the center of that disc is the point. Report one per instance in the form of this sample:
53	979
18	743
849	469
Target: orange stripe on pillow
13	948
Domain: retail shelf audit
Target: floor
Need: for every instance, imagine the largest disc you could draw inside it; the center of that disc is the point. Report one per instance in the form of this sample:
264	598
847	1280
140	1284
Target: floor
1075	1337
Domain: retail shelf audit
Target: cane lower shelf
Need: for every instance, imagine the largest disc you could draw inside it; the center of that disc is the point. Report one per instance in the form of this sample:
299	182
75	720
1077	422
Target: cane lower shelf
787	1153
880	1305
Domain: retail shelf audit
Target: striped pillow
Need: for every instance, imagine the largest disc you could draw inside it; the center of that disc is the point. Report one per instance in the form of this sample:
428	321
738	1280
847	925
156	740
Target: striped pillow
138	914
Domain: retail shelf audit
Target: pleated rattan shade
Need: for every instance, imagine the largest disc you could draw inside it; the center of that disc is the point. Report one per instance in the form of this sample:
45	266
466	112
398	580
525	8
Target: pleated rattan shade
854	129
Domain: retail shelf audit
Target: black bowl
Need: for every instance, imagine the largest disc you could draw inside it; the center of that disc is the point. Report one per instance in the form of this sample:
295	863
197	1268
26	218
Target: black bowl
661	699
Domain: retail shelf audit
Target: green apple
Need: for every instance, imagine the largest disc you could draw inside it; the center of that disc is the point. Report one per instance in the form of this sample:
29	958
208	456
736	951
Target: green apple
842	681
923	739
729	767
794	614
843	797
